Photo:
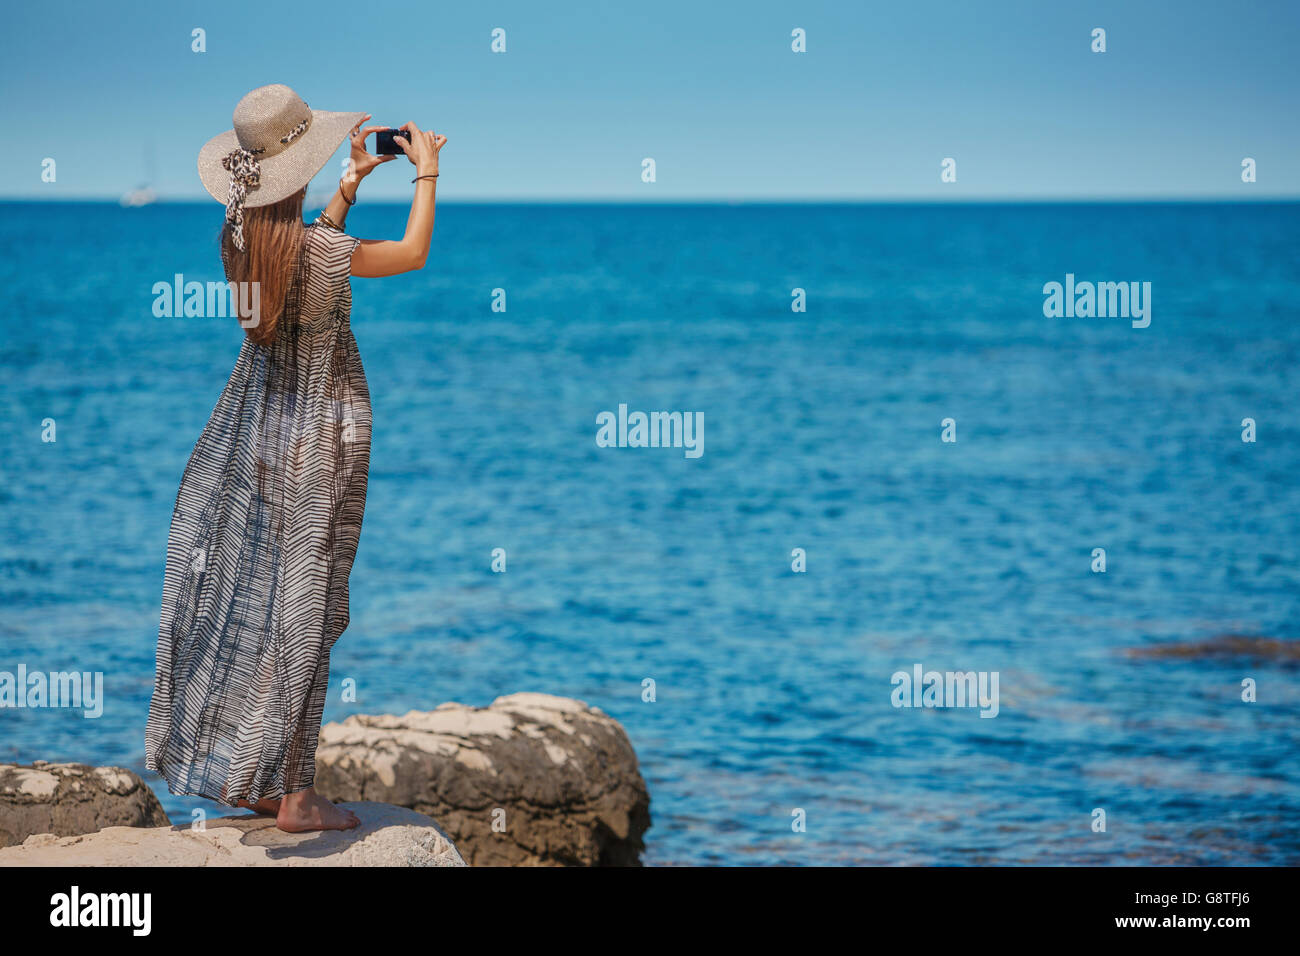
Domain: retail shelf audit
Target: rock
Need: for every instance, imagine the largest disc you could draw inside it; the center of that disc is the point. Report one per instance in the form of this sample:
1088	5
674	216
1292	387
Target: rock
67	799
560	777
387	836
1225	645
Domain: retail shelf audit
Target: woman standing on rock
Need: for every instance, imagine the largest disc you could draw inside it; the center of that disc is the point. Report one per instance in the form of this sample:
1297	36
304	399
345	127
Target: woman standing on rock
269	511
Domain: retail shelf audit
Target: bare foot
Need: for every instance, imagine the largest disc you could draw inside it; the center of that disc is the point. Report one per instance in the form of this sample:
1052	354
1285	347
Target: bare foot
308	810
265	806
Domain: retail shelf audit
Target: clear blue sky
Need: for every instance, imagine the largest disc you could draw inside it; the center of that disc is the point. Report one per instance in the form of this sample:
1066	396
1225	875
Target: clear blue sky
710	90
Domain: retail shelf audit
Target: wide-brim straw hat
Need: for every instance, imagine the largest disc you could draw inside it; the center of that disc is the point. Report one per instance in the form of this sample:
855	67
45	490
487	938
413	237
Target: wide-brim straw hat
278	144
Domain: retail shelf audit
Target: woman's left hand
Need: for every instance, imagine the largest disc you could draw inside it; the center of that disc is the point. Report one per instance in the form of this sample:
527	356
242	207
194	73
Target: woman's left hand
360	163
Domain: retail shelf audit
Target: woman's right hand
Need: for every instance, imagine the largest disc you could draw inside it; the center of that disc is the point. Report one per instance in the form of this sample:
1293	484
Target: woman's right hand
421	148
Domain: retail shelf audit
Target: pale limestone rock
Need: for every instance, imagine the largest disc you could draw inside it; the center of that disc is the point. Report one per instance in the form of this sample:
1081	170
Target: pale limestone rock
564	775
387	836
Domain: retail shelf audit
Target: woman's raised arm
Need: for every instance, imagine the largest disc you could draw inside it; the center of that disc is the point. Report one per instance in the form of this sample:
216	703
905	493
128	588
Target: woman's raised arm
386	257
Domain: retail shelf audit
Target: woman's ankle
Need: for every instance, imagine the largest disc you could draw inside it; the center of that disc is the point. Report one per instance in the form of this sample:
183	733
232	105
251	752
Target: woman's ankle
298	798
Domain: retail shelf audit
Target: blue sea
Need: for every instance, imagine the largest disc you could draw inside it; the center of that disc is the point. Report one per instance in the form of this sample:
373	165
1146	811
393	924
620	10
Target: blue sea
822	432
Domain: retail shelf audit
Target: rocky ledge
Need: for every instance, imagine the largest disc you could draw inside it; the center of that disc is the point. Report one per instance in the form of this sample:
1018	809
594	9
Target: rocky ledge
387	836
70	798
531	780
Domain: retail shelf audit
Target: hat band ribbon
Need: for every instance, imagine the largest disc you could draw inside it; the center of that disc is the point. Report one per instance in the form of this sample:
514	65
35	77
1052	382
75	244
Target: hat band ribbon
245	172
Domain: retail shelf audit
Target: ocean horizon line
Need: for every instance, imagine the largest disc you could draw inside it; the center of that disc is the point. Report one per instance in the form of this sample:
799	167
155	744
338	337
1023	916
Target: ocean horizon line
725	201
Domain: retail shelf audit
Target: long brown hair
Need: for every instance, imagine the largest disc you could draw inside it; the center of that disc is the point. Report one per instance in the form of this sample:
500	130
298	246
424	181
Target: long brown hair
273	239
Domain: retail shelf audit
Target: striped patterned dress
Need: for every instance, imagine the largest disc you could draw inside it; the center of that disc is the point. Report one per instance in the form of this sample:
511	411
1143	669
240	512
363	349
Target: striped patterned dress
262	539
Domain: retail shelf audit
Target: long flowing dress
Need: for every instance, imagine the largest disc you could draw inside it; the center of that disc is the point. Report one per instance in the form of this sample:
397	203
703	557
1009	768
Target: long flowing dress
263	536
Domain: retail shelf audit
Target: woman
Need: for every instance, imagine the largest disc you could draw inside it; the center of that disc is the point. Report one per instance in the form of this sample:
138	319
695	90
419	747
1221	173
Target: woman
269	511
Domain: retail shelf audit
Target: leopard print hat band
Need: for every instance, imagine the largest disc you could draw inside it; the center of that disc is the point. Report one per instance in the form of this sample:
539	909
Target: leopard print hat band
245	173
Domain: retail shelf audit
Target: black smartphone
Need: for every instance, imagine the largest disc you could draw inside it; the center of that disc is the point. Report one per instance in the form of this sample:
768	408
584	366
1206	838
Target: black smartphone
384	145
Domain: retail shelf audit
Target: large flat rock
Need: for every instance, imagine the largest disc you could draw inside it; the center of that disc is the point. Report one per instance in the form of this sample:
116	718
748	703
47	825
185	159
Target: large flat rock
387	836
531	780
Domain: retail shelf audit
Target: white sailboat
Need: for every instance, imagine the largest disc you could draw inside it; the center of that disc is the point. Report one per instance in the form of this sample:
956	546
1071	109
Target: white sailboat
142	196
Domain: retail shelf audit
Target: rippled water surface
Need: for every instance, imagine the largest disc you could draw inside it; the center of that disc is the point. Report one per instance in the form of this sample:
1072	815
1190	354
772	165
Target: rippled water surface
822	432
